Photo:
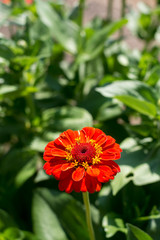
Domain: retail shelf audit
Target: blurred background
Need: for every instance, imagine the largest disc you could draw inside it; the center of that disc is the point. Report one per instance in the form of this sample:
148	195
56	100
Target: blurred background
67	65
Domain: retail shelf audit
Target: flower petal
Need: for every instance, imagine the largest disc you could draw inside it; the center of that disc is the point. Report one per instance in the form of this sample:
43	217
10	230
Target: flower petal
69	134
89	131
67	166
92	184
97	133
93	171
66	174
109	142
65	184
101	139
78	174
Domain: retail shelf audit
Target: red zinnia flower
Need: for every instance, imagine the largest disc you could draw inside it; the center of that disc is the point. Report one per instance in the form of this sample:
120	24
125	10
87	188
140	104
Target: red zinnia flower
29	1
82	160
5	1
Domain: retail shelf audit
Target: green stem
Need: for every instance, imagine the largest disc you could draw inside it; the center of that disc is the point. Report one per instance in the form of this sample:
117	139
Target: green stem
123	9
88	215
109	10
81	12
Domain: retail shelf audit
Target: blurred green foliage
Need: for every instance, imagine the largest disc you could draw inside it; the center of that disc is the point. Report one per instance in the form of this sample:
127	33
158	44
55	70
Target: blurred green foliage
57	74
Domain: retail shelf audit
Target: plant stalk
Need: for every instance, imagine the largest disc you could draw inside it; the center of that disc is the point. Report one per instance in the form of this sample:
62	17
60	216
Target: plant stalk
88	215
81	12
109	10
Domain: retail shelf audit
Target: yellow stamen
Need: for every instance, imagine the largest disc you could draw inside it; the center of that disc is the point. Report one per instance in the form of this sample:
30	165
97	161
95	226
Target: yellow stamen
75	163
69	148
78	140
85	165
96	160
92	141
69	157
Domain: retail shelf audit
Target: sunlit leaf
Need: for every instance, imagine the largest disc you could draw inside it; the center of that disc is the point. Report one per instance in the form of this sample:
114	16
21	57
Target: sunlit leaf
135	233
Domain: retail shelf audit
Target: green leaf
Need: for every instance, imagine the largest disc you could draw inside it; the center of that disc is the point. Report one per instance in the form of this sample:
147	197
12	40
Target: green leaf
12	92
17	234
45	222
138	167
131	88
5	52
101	35
153	76
64	31
54	212
13	234
134	94
67	117
141	106
39	143
95	45
5	220
113	224
135	233
122	179
18	166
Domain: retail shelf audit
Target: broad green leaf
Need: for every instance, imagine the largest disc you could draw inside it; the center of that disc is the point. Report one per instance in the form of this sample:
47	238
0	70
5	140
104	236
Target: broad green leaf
39	143
54	212
131	88
18	166
141	106
6	52
95	45
5	220
136	166
12	92
64	31
45	222
135	233
153	76
101	35
17	234
113	224
122	179
62	118
13	234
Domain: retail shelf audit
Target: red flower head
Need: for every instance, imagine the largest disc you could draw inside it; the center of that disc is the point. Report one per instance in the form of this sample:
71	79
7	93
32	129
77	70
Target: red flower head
29	2
5	1
82	160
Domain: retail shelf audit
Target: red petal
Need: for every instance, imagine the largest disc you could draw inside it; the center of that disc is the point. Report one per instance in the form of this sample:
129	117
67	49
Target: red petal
58	152
78	174
67	166
106	173
49	145
83	185
60	143
66	174
69	188
101	139
69	134
57	172
93	171
97	133
115	167
77	186
92	184
109	142
89	131
63	184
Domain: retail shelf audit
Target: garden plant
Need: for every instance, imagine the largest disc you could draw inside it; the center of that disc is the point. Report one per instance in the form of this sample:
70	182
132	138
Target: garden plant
79	120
